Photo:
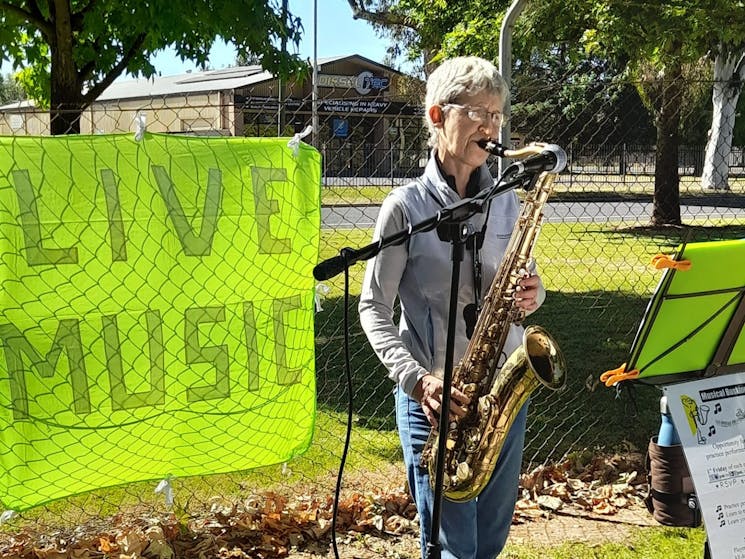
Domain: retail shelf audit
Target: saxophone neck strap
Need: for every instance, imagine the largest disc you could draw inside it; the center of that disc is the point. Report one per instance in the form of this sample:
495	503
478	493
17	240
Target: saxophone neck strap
474	243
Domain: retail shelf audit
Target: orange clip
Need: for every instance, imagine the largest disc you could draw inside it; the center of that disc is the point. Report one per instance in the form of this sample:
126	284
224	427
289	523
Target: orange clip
614	376
661	261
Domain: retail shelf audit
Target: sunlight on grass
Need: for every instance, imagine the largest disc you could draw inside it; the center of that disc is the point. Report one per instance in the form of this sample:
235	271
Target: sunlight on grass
647	543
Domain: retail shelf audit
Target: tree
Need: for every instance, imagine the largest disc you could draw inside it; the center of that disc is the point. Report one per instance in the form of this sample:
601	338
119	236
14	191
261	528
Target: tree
10	90
248	59
729	74
72	50
661	44
656	42
416	27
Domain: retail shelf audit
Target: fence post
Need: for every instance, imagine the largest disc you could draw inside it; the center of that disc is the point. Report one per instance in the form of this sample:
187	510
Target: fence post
390	172
571	164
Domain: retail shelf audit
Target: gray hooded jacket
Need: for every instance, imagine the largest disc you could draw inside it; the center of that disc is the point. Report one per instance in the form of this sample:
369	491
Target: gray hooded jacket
418	272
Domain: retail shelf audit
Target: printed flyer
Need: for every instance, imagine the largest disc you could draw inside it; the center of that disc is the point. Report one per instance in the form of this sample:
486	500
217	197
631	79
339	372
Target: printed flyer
709	415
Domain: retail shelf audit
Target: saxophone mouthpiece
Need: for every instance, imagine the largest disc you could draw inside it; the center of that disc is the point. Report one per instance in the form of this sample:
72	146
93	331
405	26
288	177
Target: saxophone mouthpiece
492	146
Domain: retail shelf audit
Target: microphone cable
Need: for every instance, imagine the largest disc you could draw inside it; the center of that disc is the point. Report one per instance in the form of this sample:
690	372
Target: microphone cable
348	375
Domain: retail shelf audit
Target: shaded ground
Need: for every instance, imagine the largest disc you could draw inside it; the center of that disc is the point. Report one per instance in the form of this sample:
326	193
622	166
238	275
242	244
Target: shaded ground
549	531
555	509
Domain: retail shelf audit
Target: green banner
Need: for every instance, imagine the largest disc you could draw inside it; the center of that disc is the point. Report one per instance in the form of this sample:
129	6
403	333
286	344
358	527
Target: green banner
156	311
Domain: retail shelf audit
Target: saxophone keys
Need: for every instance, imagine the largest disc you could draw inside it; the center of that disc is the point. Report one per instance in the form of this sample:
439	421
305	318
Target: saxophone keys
473	439
485	405
471	389
463	472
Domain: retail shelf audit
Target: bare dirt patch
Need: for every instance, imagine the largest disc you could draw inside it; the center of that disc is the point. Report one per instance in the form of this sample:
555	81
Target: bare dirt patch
542	532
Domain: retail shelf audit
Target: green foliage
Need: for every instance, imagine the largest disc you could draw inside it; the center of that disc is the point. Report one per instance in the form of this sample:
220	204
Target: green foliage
10	89
36	84
71	54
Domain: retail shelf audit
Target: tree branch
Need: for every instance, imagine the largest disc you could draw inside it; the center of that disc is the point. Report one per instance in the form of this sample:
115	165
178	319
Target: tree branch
33	15
79	16
386	18
115	72
740	66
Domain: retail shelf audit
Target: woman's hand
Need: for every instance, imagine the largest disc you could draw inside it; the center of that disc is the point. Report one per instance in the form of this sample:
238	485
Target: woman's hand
428	392
526	295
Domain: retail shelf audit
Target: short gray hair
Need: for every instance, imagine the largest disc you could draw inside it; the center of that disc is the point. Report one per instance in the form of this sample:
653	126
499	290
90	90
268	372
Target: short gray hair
454	77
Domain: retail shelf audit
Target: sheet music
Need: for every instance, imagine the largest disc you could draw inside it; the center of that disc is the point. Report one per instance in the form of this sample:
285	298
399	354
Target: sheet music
709	415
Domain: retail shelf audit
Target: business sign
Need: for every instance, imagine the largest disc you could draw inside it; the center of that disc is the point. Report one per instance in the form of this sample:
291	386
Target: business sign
363	83
156	309
331	106
339	127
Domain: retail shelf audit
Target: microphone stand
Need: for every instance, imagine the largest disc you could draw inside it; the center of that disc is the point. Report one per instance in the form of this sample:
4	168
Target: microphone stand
451	226
454	213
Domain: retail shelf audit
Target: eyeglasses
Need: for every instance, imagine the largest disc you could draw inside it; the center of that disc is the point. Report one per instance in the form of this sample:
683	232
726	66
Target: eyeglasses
479	114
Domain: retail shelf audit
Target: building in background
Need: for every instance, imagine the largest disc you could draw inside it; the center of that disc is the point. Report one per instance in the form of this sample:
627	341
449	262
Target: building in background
369	115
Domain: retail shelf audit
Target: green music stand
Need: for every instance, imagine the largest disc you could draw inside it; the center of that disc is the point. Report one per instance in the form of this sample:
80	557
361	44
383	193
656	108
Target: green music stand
693	325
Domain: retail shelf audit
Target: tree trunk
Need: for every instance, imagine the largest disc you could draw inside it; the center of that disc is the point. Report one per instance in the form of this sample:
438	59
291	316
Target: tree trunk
66	101
666	180
729	71
65	112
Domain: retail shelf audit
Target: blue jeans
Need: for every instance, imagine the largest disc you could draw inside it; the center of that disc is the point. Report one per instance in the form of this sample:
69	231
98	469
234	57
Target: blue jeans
476	529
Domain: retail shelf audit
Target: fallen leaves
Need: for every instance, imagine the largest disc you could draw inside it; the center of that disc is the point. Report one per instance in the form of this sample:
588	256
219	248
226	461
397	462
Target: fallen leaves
271	525
601	486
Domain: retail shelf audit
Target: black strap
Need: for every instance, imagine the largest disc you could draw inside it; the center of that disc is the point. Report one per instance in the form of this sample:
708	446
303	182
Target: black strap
674	498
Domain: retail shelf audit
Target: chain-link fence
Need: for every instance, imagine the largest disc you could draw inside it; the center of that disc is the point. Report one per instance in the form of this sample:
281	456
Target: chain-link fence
593	255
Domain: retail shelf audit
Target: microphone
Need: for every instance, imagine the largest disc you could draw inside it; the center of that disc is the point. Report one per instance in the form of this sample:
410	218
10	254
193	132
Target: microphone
551	159
336	264
543	157
329	268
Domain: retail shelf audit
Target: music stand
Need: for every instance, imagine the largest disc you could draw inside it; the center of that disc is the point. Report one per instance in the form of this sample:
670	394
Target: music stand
693	325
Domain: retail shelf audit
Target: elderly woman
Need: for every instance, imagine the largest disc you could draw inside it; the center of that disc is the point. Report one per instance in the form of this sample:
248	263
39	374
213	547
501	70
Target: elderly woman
464	103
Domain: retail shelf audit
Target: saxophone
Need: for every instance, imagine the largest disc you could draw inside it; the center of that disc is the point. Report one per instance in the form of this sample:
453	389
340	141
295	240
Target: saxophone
473	442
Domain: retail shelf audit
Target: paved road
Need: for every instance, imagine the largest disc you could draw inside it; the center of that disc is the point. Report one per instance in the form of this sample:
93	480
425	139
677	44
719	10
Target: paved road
351	217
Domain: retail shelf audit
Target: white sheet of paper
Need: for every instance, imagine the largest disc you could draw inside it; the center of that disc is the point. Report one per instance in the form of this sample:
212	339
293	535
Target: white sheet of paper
709	415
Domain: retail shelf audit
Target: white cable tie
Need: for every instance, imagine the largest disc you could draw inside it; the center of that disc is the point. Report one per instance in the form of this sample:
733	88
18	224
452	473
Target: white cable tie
166	489
294	142
321	291
7	515
140	126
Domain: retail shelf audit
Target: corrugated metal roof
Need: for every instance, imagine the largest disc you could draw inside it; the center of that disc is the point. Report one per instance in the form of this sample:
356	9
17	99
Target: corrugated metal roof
200	82
195	82
18	105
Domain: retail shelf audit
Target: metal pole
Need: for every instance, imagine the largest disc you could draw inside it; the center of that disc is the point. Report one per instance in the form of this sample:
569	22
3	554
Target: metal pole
280	100
314	102
505	68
